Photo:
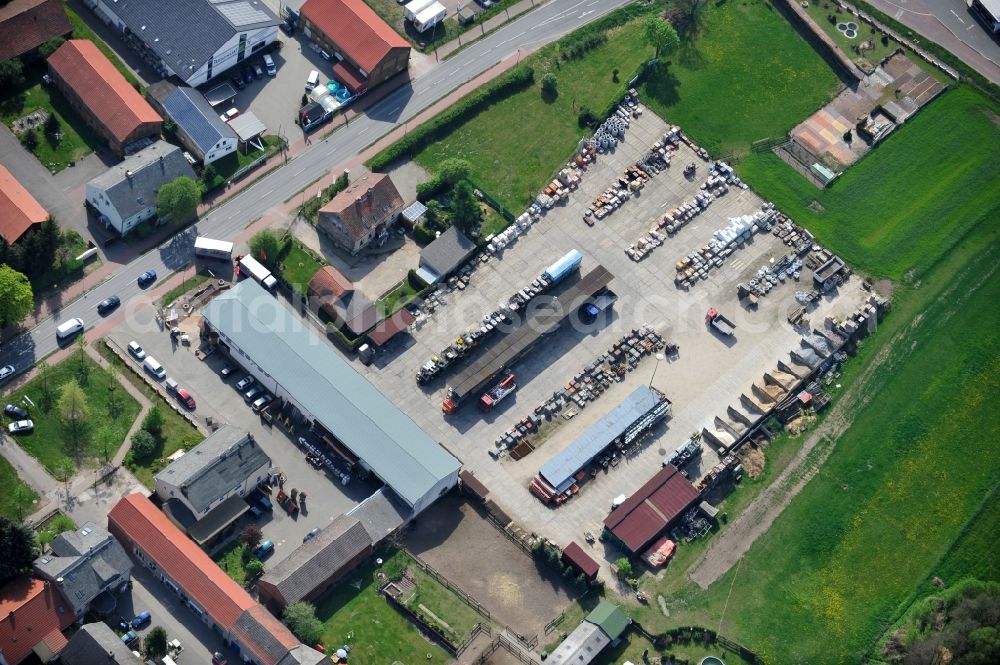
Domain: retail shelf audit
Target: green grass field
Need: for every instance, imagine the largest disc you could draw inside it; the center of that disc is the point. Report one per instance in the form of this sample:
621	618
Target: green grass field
76	141
298	266
10	497
748	76
355	613
103	432
233	560
890	501
518	143
895	213
459	617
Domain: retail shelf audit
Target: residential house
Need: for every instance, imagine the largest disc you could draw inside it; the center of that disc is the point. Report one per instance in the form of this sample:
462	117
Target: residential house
125	195
27	24
603	626
205	135
203	491
19	211
97	644
194	40
365	50
84	564
199	585
315	565
34	617
99	93
361	214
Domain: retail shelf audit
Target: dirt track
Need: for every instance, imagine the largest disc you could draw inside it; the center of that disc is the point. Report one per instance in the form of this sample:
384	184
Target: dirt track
734	542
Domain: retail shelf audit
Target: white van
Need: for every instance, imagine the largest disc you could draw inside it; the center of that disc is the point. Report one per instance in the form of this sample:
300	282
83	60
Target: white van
313	80
68	329
170	385
155	368
269	66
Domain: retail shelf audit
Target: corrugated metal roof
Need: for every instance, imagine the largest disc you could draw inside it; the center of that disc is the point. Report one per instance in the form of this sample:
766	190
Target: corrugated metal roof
561	468
649	511
583	561
610	618
326	386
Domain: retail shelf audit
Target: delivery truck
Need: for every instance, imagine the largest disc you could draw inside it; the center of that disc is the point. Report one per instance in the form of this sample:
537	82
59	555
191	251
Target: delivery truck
251	267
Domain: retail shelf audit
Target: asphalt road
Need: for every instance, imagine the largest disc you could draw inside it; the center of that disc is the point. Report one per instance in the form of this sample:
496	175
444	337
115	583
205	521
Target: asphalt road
531	30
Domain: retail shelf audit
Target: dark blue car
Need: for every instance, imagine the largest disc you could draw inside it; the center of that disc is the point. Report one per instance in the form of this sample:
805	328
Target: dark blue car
147	278
141	620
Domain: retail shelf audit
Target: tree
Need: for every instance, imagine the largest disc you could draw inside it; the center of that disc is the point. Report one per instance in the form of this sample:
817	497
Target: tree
16	296
177	201
17	542
11	73
251	536
155	643
254	568
52	124
624	567
661	36
59	524
208	174
454	169
143	446
549	85
465	210
301	619
29	140
50	46
153	422
44	372
265	247
74	411
83	366
22	497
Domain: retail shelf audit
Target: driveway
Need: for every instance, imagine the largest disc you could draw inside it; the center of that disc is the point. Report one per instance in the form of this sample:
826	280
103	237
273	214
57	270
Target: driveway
950	24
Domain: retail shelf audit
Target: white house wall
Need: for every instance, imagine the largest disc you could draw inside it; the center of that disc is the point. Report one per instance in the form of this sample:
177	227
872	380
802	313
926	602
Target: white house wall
222	148
97	198
224	59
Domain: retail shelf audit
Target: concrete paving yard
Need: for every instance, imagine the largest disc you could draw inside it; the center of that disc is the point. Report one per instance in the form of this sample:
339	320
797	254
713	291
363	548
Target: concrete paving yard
709	374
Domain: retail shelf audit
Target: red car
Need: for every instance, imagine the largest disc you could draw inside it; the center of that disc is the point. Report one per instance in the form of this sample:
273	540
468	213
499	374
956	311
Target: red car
185	398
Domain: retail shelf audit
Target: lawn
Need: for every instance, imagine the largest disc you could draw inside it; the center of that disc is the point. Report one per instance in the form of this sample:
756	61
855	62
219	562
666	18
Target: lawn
355	613
233	559
869	58
225	168
82	31
430	595
14	503
177	433
896	492
76	141
103	432
516	144
907	203
747	76
297	264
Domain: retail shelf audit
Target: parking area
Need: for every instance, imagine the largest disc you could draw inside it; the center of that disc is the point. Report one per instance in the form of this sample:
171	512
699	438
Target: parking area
219	399
709	373
455	538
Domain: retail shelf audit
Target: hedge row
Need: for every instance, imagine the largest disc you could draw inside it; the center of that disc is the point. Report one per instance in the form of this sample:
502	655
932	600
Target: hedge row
594	34
442	124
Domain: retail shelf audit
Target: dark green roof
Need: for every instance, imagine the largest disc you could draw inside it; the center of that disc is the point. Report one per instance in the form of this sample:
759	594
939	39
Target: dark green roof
610	619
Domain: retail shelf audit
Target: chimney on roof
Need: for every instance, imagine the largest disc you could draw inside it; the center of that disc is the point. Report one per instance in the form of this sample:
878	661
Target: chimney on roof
128	173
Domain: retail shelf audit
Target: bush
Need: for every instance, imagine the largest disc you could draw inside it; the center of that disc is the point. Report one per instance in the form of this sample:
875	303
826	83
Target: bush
153	422
301	619
549	84
423	235
52	124
49	47
428	190
143	446
254	568
416	281
624	568
586	118
29	140
440	125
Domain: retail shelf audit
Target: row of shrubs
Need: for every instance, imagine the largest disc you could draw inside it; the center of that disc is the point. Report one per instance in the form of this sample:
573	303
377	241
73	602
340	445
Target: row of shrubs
577	43
439	126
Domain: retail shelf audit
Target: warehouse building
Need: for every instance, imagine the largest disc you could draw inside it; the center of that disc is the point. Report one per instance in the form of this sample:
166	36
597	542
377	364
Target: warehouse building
300	368
365	50
194	40
652	509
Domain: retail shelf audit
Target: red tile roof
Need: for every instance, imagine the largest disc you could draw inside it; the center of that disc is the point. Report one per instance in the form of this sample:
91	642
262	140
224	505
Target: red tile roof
329	283
138	520
583	562
349	76
102	88
27	24
365	204
389	328
652	508
355	28
19	210
31	611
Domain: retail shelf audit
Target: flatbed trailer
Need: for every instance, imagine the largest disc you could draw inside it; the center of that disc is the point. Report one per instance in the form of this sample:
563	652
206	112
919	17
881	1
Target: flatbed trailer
477	377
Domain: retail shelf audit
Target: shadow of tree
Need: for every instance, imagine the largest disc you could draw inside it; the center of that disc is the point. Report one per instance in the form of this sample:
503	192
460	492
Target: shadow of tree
662	85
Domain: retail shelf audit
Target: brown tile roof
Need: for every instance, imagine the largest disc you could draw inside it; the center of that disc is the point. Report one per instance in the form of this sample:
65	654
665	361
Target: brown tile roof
27	24
19	210
389	328
32	611
365	204
329	284
181	559
649	511
355	28
102	88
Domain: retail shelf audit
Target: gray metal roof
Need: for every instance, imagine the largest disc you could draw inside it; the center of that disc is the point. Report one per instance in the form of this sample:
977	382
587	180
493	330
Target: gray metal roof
381	514
598	436
132	184
84	563
247	126
581	646
186	33
447	252
189	109
215	466
328	388
312	563
218	519
96	643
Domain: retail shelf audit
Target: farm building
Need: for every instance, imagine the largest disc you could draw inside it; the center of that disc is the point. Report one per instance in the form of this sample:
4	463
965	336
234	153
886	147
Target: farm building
357	421
97	643
19	211
27	24
194	40
103	98
345	305
652	509
365	50
582	562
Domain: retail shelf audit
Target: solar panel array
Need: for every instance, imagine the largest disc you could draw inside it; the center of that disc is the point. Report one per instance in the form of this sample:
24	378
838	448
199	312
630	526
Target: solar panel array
201	124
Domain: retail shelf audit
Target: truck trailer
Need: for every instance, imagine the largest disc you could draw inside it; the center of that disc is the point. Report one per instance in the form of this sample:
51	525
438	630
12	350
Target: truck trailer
251	267
213	249
498	393
546	319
